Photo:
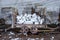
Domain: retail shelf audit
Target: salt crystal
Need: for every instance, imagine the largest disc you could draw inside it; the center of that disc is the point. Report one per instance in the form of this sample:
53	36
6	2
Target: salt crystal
42	38
42	20
52	38
10	36
28	22
36	22
11	33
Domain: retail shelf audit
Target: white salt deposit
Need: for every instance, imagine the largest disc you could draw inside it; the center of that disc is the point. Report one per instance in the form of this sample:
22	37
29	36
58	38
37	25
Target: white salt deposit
27	19
41	21
52	38
42	38
28	22
16	39
36	22
11	33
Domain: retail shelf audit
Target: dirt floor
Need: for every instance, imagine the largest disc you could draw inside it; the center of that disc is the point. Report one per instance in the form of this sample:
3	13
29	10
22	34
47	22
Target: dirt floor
19	36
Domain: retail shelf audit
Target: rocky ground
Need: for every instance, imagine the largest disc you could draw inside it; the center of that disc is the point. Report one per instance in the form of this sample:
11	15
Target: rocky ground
19	36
